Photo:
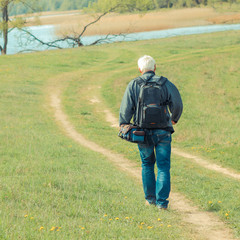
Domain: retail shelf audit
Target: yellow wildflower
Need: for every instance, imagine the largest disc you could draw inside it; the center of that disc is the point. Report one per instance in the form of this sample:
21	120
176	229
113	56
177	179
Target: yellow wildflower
52	229
117	218
169	225
126	217
159	219
25	215
41	228
149	227
219	201
142	223
210	202
105	215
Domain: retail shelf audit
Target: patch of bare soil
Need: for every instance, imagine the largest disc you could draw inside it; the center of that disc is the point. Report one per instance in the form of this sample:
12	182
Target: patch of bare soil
228	18
205	225
127	23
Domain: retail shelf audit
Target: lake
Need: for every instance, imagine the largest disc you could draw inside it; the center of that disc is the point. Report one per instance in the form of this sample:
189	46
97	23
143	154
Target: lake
18	43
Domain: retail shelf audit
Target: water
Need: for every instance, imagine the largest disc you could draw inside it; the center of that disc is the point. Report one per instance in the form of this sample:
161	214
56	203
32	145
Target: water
19	42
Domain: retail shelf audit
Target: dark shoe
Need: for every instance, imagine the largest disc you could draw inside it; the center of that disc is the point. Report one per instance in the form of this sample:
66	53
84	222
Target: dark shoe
147	203
161	207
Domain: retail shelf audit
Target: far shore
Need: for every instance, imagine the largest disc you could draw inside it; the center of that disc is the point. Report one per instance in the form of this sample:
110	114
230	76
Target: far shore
71	22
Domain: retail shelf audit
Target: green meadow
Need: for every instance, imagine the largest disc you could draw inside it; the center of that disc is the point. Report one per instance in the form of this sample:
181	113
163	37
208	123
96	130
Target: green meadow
53	188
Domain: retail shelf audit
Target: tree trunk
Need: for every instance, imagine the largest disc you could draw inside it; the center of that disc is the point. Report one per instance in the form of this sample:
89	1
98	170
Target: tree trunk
5	20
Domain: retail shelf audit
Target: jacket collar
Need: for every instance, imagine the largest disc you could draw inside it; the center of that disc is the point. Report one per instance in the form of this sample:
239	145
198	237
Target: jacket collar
147	75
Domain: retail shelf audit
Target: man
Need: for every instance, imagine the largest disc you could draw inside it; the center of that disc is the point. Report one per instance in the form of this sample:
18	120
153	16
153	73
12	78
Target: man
157	146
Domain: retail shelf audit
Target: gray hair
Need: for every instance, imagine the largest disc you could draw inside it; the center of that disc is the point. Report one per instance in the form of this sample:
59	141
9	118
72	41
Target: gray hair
146	63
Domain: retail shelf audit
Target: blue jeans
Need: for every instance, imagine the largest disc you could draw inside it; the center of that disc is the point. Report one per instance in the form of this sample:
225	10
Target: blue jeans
156	190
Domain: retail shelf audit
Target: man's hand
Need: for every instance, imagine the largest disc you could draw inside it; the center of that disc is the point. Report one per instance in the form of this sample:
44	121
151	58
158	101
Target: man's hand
122	125
173	123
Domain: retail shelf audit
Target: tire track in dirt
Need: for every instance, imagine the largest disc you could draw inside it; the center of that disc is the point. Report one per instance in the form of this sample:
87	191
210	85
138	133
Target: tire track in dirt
204	224
206	164
203	163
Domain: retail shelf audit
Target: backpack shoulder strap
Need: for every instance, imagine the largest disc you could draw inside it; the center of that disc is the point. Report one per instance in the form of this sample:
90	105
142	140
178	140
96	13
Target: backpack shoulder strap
140	81
160	80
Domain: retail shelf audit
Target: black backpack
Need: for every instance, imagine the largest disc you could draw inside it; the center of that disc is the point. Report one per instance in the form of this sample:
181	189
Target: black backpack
151	109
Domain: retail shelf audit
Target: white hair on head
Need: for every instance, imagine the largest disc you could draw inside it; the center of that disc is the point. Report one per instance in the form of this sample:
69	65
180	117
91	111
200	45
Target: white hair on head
146	63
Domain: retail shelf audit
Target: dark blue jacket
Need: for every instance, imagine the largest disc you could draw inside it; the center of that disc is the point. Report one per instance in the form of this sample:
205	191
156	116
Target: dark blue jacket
130	100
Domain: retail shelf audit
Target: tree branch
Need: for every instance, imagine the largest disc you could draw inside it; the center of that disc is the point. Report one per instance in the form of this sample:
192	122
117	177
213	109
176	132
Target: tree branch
11	29
49	44
74	40
102	15
108	38
29	6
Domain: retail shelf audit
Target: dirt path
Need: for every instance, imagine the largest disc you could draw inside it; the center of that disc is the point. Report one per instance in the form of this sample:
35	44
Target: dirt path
206	225
206	164
211	166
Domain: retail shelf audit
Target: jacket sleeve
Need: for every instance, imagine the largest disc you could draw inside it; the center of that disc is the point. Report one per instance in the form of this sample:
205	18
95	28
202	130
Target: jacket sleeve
127	108
175	102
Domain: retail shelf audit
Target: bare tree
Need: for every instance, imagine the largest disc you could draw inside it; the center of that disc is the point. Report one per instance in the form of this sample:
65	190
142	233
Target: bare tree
74	39
71	40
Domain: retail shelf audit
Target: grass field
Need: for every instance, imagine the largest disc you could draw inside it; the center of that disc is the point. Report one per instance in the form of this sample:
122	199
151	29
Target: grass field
52	188
206	71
